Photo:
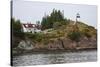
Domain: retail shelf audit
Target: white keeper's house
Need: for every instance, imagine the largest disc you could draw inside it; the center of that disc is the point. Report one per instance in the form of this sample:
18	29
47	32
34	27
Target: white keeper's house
29	27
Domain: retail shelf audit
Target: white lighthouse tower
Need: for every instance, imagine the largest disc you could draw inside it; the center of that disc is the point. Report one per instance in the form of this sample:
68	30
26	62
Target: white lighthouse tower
77	18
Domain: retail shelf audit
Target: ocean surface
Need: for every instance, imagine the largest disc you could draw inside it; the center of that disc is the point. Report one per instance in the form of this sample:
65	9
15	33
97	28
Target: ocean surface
54	58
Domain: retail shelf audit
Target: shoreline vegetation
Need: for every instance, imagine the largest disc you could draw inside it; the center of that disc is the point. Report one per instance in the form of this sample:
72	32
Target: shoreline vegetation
57	34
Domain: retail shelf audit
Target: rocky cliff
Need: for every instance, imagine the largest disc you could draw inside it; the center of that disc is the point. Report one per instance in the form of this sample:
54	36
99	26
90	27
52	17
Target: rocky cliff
66	37
62	43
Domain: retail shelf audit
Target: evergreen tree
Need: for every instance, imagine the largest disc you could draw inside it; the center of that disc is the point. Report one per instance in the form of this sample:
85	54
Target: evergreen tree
48	21
17	29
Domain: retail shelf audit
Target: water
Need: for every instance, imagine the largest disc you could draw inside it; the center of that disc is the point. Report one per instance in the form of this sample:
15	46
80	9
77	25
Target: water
55	58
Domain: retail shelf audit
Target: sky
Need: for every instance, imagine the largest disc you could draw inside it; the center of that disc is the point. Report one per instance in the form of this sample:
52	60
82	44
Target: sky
30	11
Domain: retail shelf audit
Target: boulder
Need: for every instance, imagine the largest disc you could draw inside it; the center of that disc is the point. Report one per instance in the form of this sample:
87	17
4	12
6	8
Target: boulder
55	44
26	44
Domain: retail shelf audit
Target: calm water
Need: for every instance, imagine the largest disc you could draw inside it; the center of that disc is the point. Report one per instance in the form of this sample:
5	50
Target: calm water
55	58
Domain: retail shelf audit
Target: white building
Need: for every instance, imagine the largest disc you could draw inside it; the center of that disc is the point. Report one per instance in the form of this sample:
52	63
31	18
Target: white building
29	27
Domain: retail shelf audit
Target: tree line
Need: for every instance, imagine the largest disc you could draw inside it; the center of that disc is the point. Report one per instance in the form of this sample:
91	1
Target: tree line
16	28
56	17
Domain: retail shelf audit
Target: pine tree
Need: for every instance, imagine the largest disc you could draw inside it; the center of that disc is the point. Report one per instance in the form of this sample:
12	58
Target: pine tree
48	21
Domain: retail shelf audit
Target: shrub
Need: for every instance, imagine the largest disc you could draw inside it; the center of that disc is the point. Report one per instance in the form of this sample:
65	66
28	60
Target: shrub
75	36
36	37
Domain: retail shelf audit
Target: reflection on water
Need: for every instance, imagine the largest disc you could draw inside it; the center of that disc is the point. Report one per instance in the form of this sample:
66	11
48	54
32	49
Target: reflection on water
55	58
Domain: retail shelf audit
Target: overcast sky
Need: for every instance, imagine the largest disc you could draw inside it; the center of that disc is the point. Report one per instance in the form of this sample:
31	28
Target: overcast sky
29	11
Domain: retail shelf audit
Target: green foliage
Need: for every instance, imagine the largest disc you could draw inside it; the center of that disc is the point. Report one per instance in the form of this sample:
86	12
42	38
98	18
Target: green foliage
57	16
17	29
75	36
57	25
48	21
36	37
17	32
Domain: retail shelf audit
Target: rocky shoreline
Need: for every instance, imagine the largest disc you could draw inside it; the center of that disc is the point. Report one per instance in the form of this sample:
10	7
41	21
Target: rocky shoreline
58	45
45	51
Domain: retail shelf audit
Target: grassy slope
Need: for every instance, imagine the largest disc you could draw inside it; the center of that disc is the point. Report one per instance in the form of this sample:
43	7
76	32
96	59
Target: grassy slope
62	32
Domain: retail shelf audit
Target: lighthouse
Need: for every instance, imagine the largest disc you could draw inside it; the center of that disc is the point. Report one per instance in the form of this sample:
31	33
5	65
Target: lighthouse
77	18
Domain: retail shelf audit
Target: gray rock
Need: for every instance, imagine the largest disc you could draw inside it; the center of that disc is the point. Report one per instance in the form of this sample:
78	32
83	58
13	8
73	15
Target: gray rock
26	44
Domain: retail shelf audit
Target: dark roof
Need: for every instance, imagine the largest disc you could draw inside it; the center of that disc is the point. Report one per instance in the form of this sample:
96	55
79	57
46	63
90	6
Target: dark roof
29	25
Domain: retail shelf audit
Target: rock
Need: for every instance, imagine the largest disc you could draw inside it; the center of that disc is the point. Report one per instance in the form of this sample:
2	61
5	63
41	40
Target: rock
26	44
56	44
87	43
61	43
69	44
